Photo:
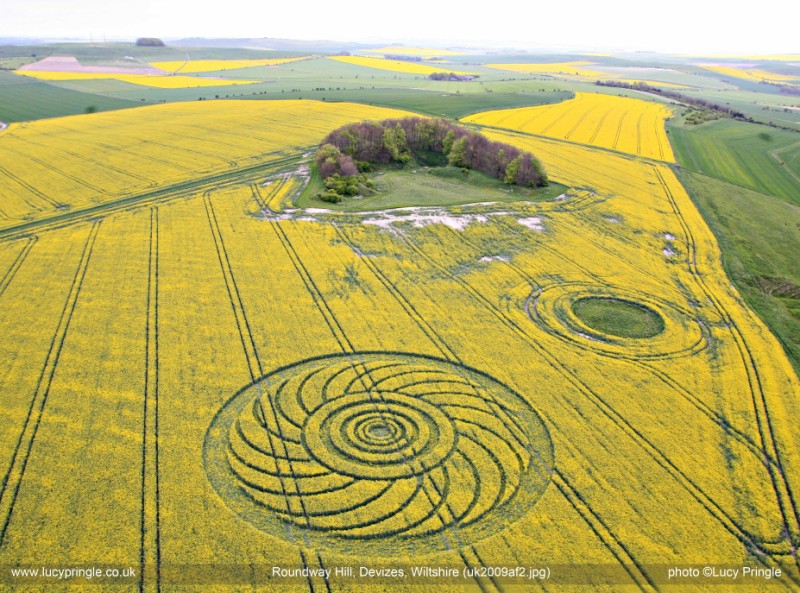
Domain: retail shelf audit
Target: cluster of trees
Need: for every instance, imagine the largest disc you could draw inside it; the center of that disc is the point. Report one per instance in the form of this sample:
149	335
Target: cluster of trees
700	115
347	153
402	58
726	110
450	76
786	89
149	42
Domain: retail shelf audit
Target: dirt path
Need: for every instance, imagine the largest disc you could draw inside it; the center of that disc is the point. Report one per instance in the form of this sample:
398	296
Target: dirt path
775	155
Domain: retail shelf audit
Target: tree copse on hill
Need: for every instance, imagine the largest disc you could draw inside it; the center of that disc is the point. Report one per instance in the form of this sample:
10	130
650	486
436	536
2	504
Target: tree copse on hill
149	42
349	150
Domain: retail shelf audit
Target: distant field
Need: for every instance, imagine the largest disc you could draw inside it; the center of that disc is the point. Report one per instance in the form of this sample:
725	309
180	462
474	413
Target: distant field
166	82
561	68
406	50
742	153
195	66
24	99
395	65
628	125
753	74
453	105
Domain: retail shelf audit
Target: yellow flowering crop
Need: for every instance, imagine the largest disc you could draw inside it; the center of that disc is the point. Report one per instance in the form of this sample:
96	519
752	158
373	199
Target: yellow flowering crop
164	82
394	65
204	394
628	125
58	165
571	69
752	74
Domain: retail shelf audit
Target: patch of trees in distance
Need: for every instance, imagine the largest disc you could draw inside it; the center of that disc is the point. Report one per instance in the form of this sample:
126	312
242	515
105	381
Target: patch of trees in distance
451	76
402	58
693	101
349	152
149	42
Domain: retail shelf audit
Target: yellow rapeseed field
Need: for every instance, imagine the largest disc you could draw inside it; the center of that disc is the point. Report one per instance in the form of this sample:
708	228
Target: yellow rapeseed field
63	164
569	69
752	74
395	65
164	82
207	387
628	125
195	66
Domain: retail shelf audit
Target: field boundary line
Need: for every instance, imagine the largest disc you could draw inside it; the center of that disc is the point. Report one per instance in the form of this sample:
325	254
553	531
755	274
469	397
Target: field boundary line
179	190
150	556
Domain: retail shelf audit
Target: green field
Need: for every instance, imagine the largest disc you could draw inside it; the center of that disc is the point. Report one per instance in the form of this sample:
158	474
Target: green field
745	154
760	240
24	99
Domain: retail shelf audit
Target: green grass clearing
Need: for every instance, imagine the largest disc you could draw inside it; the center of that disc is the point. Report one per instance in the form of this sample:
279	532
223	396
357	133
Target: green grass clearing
618	317
428	186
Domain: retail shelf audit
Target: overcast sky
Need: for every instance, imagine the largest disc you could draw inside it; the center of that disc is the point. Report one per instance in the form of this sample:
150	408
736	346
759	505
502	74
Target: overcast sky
679	26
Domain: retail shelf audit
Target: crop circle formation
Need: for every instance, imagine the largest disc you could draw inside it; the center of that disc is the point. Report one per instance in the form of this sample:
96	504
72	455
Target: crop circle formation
410	452
583	315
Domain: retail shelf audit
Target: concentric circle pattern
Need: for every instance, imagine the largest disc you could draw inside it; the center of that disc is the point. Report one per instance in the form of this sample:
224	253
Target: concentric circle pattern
411	452
682	334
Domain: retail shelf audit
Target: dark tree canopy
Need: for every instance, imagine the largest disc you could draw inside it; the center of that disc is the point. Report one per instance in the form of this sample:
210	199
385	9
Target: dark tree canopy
348	150
149	42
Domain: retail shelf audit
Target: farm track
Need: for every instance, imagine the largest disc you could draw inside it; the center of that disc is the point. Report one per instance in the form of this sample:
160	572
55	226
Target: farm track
289	487
32	190
22	451
177	191
150	543
783	492
639	134
619	130
599	127
578	123
774	154
16	264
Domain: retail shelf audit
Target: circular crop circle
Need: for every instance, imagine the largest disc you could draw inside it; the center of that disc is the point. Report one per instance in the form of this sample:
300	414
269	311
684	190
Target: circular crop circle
410	452
618	317
646	326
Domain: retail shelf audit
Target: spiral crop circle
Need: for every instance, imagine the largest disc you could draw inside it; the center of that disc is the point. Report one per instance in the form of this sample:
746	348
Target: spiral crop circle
410	452
682	333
